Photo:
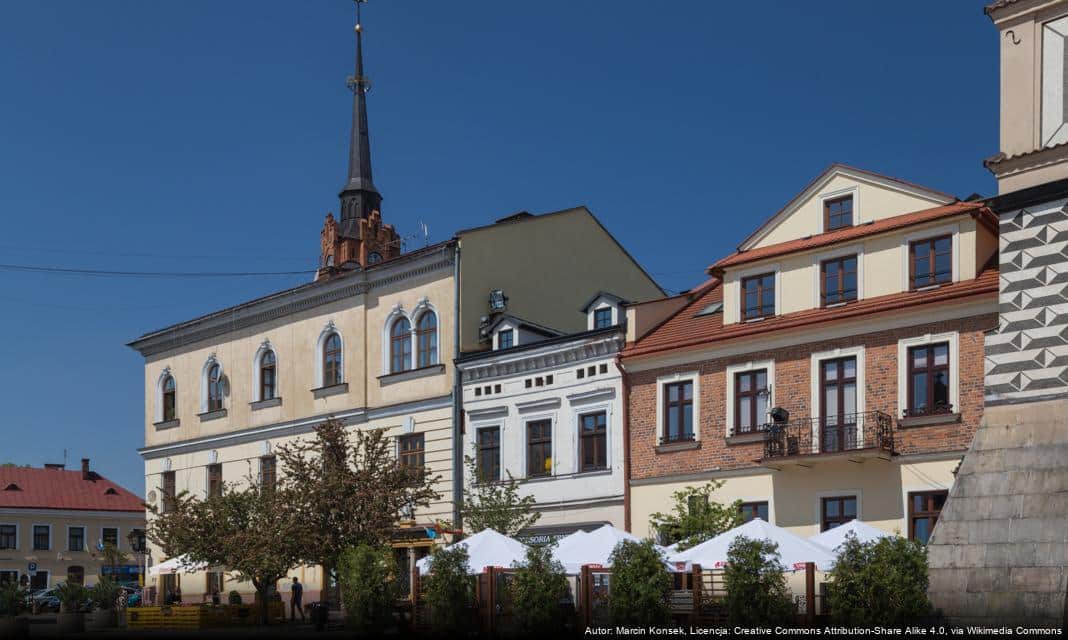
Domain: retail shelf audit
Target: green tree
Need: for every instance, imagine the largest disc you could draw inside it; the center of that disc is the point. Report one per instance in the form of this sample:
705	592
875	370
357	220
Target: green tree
538	586
696	517
449	589
368	585
104	594
316	472
249	530
757	593
12	598
496	505
640	587
879	583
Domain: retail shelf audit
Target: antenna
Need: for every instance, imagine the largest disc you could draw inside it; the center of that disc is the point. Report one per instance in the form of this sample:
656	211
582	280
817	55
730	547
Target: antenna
426	233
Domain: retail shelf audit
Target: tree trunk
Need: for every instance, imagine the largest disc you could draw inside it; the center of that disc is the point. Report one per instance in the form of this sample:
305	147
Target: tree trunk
262	594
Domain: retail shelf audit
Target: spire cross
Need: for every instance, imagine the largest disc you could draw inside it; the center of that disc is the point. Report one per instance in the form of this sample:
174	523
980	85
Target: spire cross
359	82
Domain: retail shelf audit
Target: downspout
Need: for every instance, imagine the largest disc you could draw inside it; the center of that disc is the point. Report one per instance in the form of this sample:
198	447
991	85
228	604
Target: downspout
626	442
457	402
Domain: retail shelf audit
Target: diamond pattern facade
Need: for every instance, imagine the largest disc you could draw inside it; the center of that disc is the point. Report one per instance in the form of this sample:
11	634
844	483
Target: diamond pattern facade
1027	356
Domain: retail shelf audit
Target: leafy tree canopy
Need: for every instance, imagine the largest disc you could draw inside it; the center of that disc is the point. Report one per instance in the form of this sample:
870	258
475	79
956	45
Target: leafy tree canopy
538	587
883	582
496	505
640	586
757	593
696	517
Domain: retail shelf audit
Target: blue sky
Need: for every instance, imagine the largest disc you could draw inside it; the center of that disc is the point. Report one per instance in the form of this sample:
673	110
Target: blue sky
210	136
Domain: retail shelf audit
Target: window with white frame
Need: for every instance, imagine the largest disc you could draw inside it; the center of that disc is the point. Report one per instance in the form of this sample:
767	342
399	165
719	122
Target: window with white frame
266	368
212	386
75	538
928	375
168	399
42	537
331	366
750	388
426	339
400	345
9	536
678	408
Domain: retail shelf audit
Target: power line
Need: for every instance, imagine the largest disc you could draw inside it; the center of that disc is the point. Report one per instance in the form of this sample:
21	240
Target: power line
147	274
127	254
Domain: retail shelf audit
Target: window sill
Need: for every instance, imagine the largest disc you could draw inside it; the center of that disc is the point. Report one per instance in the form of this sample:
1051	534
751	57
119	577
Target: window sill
411	374
758	319
265	404
166	424
746	438
332	390
927	421
212	415
672	447
565	476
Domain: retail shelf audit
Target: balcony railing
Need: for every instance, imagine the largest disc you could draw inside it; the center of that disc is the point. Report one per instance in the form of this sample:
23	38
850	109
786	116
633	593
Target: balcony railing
867	431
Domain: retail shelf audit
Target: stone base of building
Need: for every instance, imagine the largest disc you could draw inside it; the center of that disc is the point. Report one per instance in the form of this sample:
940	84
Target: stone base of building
999	553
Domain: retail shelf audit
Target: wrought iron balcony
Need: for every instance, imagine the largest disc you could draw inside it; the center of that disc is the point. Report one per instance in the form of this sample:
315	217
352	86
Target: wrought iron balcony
870	432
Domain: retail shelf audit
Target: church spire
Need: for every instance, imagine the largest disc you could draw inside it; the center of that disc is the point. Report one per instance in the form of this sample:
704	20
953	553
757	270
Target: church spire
359	196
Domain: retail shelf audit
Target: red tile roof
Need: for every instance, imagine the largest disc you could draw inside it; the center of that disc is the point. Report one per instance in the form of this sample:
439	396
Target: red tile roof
60	489
686	329
976	209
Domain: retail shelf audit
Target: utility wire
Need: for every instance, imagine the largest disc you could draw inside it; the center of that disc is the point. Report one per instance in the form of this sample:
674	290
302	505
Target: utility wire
147	274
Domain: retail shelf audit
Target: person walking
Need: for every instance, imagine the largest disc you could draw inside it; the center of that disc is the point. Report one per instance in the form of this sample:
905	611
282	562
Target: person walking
296	592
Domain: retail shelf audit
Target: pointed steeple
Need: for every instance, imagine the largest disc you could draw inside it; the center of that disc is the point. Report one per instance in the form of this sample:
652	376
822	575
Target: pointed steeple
359	197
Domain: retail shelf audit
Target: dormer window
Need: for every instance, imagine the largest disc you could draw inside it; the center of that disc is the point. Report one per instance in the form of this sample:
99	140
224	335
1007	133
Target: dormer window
506	339
930	262
758	296
602	318
838	213
12	487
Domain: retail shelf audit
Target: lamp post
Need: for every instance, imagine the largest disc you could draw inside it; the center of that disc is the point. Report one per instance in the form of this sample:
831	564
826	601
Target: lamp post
136	537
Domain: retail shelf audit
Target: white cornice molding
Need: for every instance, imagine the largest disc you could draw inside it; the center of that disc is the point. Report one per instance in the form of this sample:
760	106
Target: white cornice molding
550	357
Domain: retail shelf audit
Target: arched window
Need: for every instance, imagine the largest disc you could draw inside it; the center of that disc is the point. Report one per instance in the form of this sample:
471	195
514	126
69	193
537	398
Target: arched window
267	376
400	346
170	397
332	360
426	338
215	388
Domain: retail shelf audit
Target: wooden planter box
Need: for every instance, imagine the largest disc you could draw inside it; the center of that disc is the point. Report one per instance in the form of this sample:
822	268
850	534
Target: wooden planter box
200	617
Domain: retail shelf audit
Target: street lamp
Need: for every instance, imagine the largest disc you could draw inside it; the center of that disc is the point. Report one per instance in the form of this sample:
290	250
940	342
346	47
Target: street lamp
136	538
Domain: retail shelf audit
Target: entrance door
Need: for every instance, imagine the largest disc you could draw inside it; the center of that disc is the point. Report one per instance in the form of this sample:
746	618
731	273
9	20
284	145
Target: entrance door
838	414
39	580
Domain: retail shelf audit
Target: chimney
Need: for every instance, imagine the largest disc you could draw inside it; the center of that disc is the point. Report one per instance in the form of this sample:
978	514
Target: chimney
85	468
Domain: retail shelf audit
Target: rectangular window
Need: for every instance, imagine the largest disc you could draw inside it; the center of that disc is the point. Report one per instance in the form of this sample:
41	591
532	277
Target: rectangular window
837	511
214	581
268	473
76	539
838	213
110	535
489	454
593	446
928	382
411	450
838	280
930	262
506	339
540	448
924	508
42	537
8	536
758	296
678	411
215	481
167	489
750	401
750	510
602	318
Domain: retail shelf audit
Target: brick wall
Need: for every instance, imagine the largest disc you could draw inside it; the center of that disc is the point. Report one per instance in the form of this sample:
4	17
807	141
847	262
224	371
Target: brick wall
793	391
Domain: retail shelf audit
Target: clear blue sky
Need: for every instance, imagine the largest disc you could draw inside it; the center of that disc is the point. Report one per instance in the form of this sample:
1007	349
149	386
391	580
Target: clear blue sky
210	136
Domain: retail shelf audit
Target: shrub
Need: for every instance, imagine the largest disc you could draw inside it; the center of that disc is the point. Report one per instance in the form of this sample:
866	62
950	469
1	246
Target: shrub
234	597
639	589
368	586
696	517
448	589
104	594
538	587
757	594
879	583
71	596
12	599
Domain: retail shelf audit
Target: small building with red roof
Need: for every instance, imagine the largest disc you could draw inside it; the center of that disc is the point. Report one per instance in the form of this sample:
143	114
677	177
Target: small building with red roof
830	368
55	525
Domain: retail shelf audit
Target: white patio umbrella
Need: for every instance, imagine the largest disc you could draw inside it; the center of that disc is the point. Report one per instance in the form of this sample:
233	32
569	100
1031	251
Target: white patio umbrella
592	548
177	564
833	538
487	548
794	550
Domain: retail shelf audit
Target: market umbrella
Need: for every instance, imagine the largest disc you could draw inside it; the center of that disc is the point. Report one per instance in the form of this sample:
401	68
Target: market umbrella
177	564
592	548
833	538
487	548
794	550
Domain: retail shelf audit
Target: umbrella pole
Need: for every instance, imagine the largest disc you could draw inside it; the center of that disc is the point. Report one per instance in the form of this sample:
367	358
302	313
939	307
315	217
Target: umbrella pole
810	593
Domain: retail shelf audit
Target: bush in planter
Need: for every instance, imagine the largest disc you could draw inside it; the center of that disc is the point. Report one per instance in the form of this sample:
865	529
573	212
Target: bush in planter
104	594
234	597
71	596
757	593
12	599
368	586
639	589
449	589
879	583
537	588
